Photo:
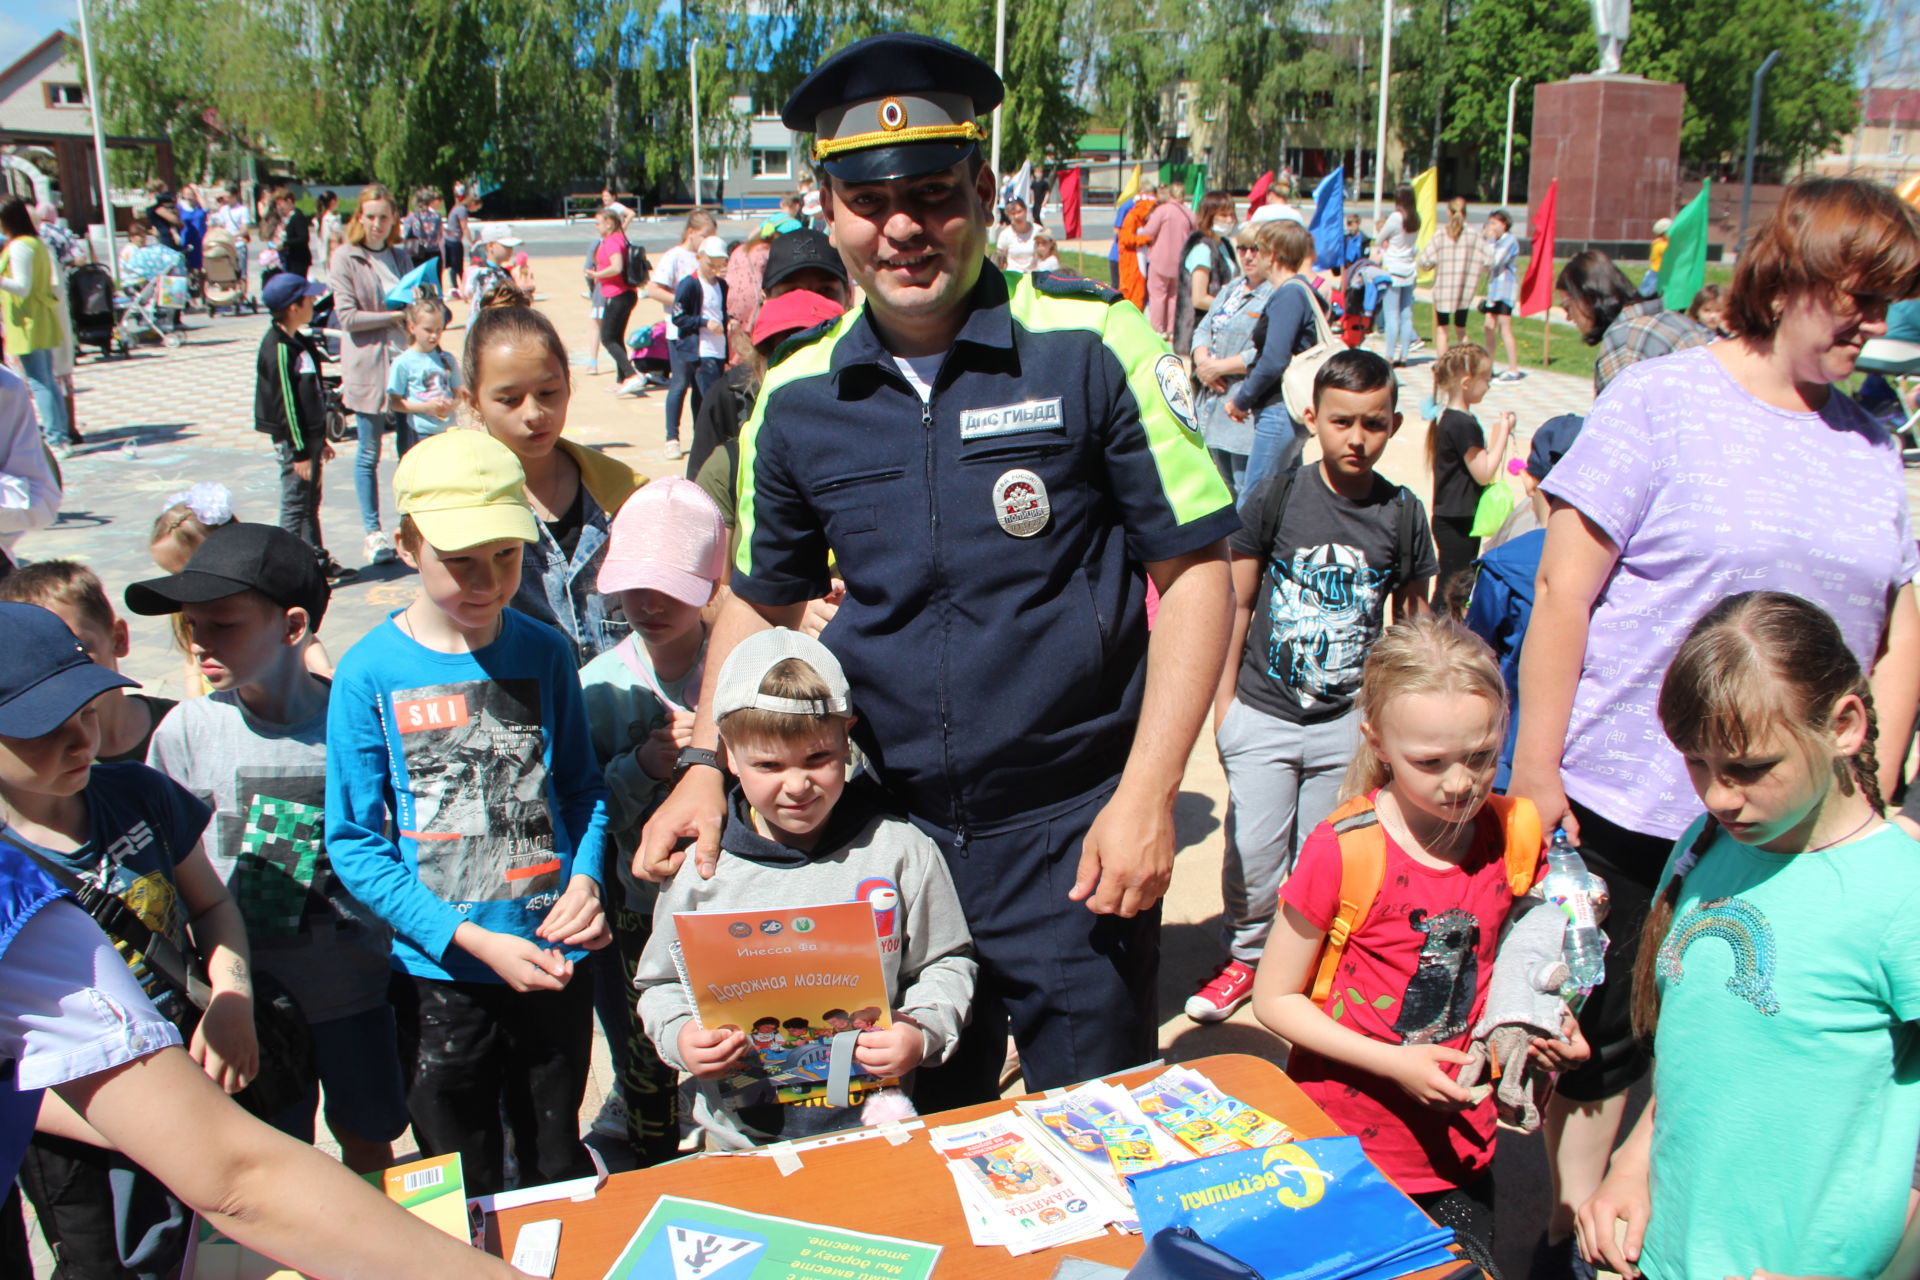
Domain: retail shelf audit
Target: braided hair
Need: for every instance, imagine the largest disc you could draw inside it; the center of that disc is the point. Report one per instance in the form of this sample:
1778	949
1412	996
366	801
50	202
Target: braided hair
1757	662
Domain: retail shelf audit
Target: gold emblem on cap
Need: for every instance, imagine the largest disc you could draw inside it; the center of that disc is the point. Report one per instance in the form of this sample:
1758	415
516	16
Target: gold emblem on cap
893	115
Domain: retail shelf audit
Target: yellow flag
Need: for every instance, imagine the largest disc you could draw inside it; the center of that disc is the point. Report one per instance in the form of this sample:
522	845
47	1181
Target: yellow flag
1131	189
1426	193
1910	190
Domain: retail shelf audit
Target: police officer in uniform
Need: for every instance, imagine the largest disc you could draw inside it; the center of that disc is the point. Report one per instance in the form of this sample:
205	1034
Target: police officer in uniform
999	462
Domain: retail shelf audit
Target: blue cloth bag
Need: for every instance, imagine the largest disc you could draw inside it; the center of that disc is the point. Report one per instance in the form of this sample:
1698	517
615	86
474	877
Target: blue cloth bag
1310	1210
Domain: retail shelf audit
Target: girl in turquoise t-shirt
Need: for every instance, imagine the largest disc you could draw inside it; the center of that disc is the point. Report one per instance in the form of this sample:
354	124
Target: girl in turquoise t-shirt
1781	963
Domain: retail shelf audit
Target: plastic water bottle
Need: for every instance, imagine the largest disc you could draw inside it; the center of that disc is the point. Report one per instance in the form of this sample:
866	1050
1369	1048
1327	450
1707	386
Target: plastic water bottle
1574	889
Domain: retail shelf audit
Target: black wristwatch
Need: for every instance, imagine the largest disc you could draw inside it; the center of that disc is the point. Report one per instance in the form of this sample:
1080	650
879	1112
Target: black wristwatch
691	756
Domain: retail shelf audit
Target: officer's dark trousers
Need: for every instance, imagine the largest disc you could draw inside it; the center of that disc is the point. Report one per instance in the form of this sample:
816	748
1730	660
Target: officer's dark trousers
1076	989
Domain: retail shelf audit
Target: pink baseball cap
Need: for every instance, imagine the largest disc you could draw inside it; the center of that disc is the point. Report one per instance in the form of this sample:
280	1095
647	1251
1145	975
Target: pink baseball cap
667	537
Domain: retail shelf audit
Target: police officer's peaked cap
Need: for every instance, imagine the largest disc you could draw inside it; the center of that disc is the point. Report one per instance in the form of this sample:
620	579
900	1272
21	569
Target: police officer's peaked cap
894	106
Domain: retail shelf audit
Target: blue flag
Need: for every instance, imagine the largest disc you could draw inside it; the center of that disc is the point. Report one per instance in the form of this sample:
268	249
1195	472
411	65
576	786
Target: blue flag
1329	222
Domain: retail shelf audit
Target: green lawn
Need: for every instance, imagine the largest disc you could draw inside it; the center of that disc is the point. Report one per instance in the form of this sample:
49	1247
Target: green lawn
1567	354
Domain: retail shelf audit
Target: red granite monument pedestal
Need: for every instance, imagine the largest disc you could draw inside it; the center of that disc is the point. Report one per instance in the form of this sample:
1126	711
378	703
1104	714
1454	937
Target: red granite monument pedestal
1613	141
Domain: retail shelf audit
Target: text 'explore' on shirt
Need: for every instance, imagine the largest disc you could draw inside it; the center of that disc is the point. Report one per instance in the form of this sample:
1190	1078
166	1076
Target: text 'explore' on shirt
1323	592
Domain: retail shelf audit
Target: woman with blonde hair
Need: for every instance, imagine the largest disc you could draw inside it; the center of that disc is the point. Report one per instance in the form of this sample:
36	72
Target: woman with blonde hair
1457	260
363	271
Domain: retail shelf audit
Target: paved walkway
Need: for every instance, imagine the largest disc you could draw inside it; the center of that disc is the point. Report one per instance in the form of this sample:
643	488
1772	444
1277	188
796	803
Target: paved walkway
164	419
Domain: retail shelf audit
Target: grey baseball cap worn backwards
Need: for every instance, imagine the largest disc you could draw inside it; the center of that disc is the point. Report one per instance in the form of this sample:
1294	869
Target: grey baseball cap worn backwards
894	106
746	670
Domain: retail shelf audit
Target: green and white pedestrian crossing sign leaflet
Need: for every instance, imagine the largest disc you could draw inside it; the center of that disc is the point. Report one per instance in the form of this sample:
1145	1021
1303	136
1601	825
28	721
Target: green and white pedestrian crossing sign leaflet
694	1240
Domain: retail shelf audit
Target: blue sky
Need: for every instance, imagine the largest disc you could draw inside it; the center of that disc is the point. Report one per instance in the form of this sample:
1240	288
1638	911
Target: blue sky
25	23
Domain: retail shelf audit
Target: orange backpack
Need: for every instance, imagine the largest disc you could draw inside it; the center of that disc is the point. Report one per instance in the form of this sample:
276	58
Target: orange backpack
1363	866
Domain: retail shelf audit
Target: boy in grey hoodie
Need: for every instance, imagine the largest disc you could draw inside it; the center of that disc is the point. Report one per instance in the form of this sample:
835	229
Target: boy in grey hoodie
799	834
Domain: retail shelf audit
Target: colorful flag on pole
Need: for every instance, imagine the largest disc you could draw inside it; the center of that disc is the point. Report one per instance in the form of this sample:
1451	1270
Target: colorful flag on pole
1130	188
1426	203
1536	288
1684	269
1258	196
1910	190
1070	203
1329	220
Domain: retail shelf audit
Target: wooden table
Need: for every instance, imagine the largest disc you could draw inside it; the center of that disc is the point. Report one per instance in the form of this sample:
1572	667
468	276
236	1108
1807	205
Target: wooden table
870	1185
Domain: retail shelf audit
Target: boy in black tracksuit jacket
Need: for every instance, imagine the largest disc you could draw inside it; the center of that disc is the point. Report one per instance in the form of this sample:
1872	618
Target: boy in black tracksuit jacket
290	406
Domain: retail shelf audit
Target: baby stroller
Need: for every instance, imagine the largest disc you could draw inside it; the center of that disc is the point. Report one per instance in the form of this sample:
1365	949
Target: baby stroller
1889	363
156	283
90	308
220	277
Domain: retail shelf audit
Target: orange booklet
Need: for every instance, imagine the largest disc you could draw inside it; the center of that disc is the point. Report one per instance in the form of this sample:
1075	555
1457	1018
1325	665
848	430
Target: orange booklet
791	978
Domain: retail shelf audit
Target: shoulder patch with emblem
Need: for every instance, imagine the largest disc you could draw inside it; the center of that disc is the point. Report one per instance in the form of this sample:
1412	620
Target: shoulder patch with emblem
1056	284
1172	377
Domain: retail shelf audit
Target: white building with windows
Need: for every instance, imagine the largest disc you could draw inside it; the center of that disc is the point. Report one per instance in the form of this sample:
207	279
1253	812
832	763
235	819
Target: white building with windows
769	163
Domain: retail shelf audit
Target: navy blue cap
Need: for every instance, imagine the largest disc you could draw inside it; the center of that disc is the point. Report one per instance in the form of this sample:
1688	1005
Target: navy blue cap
894	106
286	288
49	676
799	251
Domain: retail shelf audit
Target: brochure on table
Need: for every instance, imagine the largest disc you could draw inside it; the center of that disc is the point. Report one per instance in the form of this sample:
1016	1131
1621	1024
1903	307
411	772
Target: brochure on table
433	1190
694	1240
791	978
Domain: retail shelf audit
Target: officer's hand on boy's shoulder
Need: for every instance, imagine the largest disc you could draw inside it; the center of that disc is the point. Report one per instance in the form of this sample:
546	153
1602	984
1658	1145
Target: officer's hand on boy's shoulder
1126	860
894	1051
711	1053
692	811
578	919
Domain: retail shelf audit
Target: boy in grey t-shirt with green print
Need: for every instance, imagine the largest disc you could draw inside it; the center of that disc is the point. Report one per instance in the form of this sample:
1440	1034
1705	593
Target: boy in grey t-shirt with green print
255	749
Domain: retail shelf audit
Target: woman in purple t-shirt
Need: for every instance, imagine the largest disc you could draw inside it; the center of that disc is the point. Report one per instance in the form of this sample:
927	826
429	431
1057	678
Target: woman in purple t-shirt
1724	468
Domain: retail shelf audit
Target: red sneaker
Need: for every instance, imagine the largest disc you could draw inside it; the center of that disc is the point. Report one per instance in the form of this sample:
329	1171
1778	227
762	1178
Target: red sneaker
1227	991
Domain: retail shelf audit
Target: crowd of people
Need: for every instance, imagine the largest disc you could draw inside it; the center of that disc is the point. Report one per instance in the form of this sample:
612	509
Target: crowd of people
839	661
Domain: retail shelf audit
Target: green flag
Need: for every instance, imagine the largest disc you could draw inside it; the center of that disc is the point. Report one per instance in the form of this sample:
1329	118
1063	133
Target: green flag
1684	269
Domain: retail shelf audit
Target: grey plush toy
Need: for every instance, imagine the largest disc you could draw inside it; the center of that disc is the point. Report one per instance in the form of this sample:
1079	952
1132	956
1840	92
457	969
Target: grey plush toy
1523	1001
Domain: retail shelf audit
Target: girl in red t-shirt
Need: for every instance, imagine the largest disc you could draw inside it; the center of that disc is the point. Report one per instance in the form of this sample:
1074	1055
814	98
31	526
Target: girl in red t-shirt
1381	1057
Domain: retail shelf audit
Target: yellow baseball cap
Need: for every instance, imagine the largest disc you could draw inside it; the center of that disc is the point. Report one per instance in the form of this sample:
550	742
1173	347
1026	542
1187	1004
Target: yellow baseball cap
463	488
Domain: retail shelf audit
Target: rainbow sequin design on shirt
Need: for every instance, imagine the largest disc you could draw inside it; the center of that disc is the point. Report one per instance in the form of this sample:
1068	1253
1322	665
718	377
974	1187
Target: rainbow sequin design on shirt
1744	928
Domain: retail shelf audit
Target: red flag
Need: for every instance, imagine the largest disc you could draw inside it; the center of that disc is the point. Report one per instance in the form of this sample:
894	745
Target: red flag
1258	196
1536	290
1070	203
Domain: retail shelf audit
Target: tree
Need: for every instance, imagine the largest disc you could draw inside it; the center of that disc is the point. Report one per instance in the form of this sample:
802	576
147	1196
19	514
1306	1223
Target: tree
1492	42
1713	48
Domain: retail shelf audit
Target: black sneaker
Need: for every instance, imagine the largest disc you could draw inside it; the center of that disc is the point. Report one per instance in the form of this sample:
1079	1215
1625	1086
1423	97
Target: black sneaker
338	573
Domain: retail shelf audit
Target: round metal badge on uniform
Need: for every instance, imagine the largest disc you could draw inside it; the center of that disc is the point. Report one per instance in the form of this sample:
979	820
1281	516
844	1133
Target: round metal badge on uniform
1020	503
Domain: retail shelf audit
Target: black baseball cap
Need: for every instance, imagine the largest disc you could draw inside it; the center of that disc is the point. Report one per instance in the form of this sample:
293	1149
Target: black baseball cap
49	676
801	251
237	557
894	106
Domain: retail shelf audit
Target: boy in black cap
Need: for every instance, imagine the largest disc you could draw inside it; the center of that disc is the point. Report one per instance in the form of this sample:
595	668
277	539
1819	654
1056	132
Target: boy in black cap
803	259
995	560
290	406
255	749
134	835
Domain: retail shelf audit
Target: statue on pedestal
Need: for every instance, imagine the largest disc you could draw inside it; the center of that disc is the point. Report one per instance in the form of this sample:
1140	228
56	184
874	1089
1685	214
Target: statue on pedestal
1611	19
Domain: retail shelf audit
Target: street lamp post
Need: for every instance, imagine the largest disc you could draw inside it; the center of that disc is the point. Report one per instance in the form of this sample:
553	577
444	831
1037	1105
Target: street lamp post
999	69
693	94
95	106
1753	141
1506	165
1380	134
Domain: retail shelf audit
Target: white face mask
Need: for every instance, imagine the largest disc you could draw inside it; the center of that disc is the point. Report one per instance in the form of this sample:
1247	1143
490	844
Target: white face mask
1223	228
